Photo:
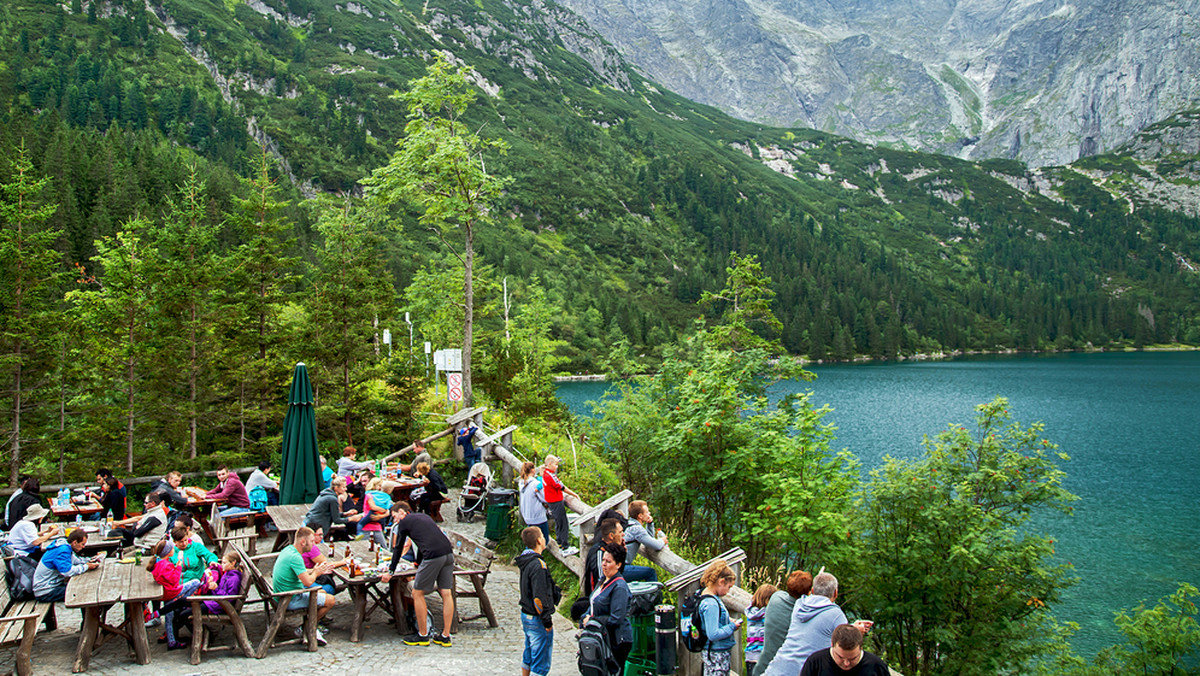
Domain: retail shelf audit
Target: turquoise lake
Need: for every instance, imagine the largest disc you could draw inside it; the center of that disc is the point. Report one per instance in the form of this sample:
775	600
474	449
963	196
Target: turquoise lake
1129	421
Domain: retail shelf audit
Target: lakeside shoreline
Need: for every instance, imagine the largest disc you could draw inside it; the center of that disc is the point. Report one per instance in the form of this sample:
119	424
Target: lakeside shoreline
934	356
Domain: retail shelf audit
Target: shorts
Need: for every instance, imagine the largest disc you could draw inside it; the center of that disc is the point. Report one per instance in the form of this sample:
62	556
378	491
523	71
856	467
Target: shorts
300	601
439	570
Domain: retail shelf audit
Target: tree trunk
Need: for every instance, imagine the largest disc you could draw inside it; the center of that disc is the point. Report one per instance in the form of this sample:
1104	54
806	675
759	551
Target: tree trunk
129	426
14	463
469	314
192	377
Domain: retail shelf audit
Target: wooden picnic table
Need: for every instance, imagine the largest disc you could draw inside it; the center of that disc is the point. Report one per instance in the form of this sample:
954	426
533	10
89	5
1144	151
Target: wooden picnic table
70	511
200	508
402	489
98	543
99	590
365	592
288	519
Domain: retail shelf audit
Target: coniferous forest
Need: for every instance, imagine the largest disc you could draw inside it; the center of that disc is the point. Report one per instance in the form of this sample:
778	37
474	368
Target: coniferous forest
183	221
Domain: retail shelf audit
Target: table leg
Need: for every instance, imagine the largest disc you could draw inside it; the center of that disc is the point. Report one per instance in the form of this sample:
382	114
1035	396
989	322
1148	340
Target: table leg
137	629
397	591
485	603
359	594
87	638
281	541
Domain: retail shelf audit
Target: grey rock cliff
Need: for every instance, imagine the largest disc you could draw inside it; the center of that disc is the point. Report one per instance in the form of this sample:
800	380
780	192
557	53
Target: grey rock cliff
1043	81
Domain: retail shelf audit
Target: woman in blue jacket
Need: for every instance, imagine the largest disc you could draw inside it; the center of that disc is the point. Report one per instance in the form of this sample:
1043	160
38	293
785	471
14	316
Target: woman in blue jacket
610	604
718	579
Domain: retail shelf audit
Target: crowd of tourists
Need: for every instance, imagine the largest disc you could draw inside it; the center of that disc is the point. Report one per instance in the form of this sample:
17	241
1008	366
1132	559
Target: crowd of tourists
799	630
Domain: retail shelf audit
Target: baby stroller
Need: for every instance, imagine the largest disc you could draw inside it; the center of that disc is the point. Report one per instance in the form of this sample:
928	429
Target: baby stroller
472	500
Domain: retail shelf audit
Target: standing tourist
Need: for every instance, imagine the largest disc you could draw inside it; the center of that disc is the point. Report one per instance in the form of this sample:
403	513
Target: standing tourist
756	616
813	621
539	597
533	509
845	657
466	439
718	579
554	491
609	605
779	617
435	568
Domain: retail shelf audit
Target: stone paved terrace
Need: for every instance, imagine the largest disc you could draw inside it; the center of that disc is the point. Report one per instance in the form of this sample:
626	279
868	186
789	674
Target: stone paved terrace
477	651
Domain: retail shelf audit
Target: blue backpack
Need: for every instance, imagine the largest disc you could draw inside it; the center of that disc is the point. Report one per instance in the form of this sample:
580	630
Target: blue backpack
258	498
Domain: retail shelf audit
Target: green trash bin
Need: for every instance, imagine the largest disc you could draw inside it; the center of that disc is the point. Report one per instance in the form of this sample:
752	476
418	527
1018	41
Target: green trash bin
499	518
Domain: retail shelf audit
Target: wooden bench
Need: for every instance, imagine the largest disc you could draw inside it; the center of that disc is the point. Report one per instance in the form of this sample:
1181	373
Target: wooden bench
231	614
275	605
19	624
472	563
223	526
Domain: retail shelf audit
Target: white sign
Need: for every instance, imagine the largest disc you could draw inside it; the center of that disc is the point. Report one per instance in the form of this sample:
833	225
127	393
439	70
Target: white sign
454	386
387	337
428	347
448	360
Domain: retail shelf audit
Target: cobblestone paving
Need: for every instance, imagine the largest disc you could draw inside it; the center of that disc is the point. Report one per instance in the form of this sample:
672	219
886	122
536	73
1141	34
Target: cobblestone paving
478	650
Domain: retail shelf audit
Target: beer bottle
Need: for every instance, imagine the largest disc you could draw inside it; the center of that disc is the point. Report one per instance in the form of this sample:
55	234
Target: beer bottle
377	557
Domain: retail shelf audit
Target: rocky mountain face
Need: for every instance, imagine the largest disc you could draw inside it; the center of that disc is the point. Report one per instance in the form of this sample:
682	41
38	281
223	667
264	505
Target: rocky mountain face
1043	81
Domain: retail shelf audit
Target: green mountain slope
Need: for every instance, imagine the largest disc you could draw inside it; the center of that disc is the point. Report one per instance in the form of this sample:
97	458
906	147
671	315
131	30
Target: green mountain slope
627	199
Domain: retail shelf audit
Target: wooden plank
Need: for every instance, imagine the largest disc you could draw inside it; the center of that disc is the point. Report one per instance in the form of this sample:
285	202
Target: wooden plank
594	512
491	438
464	415
733	556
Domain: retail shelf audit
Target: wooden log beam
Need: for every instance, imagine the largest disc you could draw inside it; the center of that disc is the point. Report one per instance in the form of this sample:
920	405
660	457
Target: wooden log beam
737	600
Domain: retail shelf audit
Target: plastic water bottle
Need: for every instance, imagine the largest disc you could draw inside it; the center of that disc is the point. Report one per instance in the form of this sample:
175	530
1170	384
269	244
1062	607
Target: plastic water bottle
78	520
64	496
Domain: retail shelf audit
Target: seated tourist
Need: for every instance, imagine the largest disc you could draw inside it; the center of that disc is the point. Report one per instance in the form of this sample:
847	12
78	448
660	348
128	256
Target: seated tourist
326	510
326	473
844	657
61	562
290	574
259	479
169	487
147	529
21	501
436	489
28	536
232	490
640	534
347	465
110	500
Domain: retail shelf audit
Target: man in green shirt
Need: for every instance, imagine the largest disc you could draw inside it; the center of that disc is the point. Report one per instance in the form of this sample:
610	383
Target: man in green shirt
289	574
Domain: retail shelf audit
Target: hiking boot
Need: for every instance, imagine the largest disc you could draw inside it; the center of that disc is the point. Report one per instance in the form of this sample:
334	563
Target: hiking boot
441	639
416	639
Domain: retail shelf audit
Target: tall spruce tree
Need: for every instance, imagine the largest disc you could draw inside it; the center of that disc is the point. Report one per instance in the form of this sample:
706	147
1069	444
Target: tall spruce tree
440	169
29	277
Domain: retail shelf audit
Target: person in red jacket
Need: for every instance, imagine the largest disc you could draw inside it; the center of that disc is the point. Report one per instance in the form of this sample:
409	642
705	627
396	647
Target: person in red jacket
554	490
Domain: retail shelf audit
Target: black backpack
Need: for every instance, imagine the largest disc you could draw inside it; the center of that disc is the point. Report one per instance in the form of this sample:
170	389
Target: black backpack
691	625
595	655
19	576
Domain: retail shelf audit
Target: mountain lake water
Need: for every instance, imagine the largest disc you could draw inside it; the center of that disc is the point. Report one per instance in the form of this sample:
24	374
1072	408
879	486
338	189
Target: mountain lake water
1129	422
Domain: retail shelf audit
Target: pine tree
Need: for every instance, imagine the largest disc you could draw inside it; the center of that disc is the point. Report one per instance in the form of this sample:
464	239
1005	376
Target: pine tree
28	284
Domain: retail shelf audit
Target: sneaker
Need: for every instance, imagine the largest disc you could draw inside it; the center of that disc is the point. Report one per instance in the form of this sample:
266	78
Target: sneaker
321	638
416	639
441	639
570	551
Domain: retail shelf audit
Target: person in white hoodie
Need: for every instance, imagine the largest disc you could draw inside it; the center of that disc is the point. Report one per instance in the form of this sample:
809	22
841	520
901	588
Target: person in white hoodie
813	620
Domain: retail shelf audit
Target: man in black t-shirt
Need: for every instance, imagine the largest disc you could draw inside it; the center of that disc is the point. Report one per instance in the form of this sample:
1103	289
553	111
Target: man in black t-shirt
845	657
435	568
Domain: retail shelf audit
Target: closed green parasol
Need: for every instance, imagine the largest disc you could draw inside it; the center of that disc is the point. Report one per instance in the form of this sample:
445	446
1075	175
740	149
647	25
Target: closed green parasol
301	464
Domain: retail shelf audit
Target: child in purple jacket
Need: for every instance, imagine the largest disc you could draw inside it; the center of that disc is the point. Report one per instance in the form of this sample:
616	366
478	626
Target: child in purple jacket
223	579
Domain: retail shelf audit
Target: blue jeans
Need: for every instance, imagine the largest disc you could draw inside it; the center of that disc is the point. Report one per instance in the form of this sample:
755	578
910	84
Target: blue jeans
639	574
230	511
539	644
301	600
